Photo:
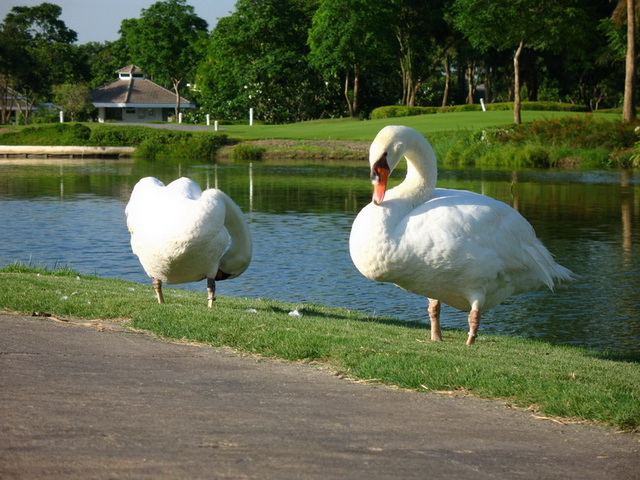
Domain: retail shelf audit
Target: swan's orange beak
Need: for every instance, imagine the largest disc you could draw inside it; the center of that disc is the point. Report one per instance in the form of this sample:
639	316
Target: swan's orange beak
379	176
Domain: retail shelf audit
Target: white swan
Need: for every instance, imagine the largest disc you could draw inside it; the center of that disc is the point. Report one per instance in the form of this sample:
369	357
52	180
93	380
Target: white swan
182	234
462	248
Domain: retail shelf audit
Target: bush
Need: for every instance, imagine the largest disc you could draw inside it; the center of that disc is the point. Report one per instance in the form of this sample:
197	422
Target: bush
393	111
245	151
118	136
530	156
57	134
73	134
180	146
568	141
577	132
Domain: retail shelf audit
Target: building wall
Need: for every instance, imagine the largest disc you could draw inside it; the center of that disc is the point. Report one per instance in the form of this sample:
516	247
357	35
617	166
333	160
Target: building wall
141	114
136	114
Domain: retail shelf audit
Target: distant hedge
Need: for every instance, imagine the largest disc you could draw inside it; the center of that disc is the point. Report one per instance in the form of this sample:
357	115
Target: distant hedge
571	141
392	111
151	143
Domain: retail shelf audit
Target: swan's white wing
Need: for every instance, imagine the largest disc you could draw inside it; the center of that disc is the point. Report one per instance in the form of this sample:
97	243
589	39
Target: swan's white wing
466	245
178	238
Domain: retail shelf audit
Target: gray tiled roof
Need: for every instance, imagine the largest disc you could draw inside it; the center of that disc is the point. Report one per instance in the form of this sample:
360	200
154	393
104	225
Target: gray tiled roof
132	69
129	92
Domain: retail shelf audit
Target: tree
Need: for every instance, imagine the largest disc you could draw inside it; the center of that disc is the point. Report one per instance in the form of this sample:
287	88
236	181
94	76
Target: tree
346	38
629	104
258	57
74	99
36	53
102	60
516	25
422	42
163	42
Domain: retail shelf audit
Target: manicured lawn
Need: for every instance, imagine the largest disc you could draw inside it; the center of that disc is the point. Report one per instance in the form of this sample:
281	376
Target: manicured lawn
350	129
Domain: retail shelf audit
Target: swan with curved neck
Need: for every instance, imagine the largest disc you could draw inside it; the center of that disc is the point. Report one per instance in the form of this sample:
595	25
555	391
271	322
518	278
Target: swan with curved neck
182	234
452	246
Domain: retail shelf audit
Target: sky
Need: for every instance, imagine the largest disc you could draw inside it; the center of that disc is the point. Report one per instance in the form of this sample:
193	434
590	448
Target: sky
99	20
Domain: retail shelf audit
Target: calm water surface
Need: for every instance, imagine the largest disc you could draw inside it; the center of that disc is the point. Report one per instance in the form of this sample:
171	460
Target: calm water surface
71	212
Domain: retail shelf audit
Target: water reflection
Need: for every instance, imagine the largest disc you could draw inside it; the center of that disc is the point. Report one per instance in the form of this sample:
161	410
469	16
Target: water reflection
71	212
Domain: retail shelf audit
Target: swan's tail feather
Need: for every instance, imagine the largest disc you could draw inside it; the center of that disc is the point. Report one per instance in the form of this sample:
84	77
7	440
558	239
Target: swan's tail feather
551	273
238	256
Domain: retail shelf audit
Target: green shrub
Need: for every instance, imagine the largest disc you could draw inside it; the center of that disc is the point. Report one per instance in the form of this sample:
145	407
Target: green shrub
113	135
148	149
530	156
180	146
393	111
568	141
576	132
56	134
246	151
73	133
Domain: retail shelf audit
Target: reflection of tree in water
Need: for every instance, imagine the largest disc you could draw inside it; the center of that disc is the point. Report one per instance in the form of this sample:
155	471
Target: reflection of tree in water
627	204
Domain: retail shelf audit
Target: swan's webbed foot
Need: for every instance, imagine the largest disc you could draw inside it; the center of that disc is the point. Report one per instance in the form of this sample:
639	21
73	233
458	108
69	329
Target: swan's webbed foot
211	291
157	286
434	318
474	323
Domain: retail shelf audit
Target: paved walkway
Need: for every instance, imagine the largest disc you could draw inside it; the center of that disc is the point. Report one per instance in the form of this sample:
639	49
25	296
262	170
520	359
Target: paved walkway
169	126
98	401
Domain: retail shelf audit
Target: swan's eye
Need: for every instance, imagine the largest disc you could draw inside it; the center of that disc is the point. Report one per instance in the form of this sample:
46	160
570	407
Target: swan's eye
380	165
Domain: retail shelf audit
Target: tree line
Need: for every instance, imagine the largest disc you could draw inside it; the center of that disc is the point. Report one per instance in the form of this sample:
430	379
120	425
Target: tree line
294	60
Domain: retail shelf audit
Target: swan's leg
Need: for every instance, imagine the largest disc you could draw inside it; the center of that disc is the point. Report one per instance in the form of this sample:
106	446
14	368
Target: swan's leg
211	291
434	318
157	285
474	322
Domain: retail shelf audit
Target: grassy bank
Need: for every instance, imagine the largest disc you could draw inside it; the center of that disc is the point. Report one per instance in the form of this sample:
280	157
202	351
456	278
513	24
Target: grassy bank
552	381
486	139
150	143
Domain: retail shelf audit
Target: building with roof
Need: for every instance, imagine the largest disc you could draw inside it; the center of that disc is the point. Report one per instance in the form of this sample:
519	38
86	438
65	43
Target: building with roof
132	97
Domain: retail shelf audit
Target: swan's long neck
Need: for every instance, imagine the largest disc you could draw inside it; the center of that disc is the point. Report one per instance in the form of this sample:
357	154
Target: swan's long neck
238	256
422	172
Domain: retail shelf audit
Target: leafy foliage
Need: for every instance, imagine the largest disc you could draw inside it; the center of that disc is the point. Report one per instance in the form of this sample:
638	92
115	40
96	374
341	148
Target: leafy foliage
163	41
582	141
258	58
74	100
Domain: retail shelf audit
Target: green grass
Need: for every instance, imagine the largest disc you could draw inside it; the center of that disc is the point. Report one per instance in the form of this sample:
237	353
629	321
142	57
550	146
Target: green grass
353	129
556	381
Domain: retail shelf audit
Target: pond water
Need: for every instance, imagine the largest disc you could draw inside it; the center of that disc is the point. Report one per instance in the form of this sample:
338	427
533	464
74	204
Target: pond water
71	212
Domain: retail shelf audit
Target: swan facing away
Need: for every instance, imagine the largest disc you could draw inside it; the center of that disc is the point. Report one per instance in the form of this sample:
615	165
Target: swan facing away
461	248
182	234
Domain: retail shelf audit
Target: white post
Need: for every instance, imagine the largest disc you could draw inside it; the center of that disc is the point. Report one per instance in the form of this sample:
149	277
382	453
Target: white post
482	104
61	116
215	125
180	117
208	120
251	116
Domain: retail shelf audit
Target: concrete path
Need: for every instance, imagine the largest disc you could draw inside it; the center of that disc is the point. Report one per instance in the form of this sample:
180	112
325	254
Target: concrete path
98	401
169	126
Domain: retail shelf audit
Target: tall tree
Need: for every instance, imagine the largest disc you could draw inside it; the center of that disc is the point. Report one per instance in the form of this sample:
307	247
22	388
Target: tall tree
163	42
346	37
257	58
422	42
102	60
36	52
629	104
516	25
74	99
